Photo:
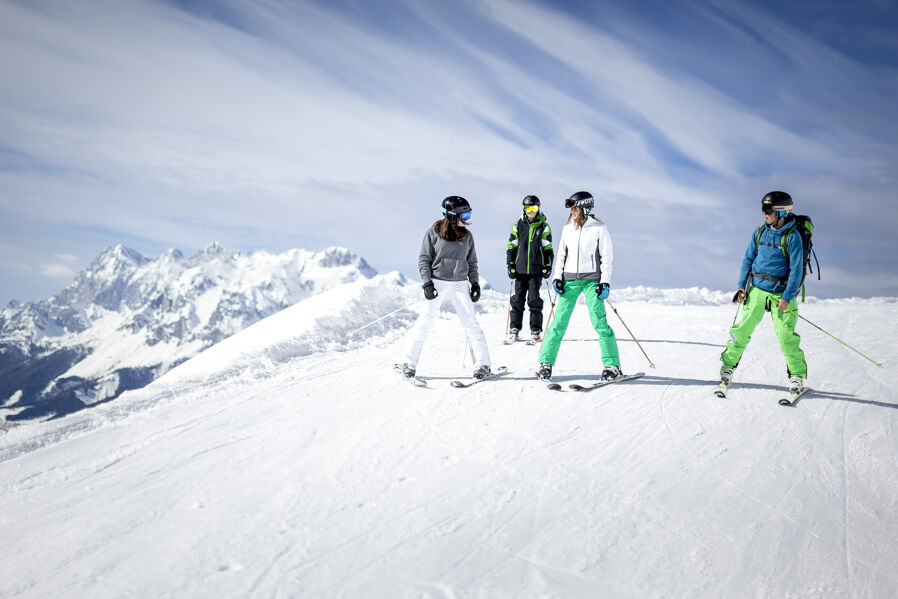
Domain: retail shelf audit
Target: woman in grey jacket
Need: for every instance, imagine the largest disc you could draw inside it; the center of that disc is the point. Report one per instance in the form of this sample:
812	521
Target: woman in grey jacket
448	265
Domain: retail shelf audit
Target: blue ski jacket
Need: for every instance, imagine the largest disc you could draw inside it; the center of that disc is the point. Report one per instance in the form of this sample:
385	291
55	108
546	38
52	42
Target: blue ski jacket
771	269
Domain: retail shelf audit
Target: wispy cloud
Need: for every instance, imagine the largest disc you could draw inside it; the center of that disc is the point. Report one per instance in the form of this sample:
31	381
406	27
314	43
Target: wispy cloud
285	124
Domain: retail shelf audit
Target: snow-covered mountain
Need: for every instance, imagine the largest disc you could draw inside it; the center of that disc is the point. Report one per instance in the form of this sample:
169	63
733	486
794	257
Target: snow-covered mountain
126	319
289	461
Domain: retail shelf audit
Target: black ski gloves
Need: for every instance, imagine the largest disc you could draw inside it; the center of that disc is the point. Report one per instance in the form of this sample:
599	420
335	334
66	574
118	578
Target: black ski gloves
558	286
547	270
430	291
475	292
603	290
512	270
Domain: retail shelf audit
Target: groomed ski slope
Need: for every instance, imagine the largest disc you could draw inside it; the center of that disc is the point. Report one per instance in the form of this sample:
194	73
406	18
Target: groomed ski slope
289	461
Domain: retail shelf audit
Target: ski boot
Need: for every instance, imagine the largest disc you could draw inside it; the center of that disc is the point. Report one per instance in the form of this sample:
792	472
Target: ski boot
406	370
544	373
481	372
609	373
726	375
796	384
535	337
512	336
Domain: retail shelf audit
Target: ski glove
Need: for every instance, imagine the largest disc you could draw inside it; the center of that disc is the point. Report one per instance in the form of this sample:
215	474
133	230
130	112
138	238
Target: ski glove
603	291
512	270
547	270
475	292
430	291
558	286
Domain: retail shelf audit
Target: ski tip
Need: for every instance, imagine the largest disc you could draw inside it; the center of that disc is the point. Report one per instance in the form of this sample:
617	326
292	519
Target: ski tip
720	394
785	402
553	386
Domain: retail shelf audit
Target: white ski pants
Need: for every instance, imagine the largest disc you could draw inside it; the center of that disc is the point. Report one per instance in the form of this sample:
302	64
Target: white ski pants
457	292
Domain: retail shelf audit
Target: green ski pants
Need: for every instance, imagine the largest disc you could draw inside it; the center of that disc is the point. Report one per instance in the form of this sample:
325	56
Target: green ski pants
564	307
783	324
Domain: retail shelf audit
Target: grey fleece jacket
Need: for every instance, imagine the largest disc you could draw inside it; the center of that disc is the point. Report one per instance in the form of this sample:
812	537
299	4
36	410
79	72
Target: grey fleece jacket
447	260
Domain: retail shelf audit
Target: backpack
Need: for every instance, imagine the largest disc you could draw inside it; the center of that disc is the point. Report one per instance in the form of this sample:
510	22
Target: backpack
805	228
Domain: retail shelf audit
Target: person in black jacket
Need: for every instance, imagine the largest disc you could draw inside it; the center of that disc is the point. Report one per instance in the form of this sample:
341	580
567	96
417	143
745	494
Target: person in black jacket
529	260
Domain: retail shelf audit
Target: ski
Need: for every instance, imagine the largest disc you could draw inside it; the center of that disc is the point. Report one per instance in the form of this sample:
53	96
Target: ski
793	397
721	390
626	377
553	386
502	370
412	380
533	341
415	381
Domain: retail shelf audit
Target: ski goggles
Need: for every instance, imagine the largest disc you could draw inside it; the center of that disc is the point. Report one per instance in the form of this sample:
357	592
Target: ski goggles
767	210
569	203
462	216
533	209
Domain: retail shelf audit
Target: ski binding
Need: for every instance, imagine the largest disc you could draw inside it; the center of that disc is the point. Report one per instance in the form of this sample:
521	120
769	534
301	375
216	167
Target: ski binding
502	370
626	377
793	397
412	380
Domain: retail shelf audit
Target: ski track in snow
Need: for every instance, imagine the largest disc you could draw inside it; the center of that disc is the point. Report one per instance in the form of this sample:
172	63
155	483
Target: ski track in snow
326	475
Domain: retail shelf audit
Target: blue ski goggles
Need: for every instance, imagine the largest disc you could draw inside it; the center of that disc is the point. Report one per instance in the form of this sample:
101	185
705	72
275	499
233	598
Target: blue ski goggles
462	216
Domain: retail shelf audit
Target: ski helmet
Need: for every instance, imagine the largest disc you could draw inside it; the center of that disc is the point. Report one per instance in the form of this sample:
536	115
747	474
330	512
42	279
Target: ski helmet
583	199
780	201
531	205
455	208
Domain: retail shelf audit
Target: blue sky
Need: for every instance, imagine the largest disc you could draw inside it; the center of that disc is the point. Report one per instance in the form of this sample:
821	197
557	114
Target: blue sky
271	125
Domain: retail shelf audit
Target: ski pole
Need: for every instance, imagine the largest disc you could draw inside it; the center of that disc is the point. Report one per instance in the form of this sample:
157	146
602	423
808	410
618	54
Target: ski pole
508	314
736	315
384	316
833	336
552	301
651	365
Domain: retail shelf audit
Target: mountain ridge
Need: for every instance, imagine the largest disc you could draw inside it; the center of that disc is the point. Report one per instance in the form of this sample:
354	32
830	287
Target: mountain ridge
126	319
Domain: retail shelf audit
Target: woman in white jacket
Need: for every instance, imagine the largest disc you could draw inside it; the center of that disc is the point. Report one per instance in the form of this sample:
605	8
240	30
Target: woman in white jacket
583	264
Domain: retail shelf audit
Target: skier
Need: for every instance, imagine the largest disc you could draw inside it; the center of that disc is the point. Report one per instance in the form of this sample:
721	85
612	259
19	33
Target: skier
529	260
583	264
448	266
769	280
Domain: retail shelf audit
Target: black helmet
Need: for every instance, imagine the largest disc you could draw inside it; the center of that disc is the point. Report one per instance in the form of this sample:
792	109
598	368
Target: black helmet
531	201
456	207
776	200
583	199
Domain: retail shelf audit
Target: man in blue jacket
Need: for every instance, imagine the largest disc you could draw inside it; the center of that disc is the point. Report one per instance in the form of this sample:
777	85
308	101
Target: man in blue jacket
769	280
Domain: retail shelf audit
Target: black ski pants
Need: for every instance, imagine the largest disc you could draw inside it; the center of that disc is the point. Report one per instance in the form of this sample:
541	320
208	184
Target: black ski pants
524	286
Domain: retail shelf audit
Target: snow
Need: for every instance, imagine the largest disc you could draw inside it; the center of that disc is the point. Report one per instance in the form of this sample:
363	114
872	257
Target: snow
289	461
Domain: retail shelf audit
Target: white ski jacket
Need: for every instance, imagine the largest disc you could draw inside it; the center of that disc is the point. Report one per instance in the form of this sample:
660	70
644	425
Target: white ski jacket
584	254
